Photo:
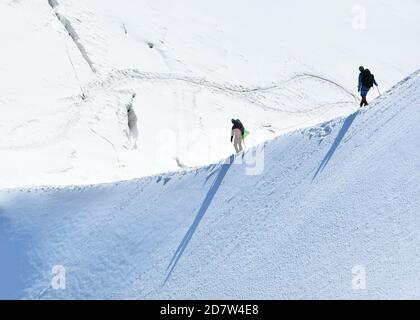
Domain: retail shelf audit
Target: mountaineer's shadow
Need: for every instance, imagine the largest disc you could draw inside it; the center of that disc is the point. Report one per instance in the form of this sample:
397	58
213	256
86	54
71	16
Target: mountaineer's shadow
204	206
346	126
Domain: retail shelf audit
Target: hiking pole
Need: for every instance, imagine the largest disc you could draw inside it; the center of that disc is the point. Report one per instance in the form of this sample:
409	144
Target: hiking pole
377	87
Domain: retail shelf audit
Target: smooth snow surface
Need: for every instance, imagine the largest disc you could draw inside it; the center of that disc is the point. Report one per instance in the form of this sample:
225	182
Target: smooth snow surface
318	203
70	68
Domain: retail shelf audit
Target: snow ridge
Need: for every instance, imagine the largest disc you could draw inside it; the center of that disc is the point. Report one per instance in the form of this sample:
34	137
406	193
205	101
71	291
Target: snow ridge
340	195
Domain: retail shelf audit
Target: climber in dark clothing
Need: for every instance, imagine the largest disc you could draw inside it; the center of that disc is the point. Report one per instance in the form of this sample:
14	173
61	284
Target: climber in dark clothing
366	81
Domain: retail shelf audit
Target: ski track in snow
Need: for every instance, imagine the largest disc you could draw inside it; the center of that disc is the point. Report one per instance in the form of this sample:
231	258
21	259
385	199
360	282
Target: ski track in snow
238	91
225	88
247	94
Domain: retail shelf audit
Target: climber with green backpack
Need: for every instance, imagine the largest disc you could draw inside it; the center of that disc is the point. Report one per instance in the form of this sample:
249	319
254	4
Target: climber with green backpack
238	134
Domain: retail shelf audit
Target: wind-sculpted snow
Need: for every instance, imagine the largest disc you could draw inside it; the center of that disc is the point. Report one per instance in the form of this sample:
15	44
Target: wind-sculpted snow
332	212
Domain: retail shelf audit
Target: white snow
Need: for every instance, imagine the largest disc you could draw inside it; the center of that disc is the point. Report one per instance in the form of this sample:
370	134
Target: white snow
193	65
318	203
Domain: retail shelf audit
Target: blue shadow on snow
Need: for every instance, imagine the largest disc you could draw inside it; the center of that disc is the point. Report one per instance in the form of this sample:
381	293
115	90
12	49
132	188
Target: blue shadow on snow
204	206
14	267
346	126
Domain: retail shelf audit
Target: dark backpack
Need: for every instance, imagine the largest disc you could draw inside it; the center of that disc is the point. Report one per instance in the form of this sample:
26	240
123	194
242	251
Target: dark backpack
368	79
238	125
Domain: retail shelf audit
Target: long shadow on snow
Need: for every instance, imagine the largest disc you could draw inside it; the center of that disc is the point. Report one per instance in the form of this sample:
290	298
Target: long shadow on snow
15	270
204	206
346	126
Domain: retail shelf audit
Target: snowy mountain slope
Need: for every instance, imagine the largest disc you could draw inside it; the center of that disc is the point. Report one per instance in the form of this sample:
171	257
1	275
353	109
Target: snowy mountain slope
276	65
248	42
317	203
